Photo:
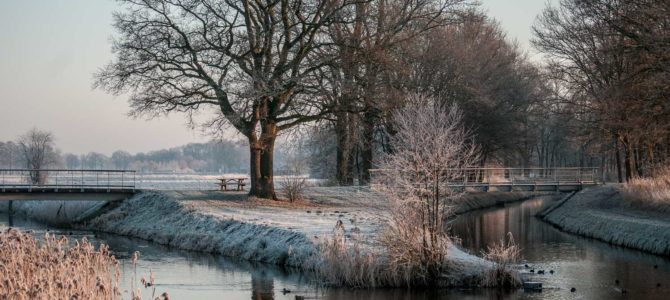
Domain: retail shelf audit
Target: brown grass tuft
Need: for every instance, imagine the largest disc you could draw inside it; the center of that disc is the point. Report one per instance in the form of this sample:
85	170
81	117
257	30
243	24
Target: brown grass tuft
342	262
649	193
503	255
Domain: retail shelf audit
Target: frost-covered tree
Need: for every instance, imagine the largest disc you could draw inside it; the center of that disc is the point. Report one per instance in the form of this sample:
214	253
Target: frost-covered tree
430	148
38	152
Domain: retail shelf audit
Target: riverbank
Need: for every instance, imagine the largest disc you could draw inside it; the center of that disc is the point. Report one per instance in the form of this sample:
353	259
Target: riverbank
602	213
281	233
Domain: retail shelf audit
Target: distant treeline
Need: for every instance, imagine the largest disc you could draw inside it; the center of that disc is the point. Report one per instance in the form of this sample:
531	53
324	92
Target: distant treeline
213	156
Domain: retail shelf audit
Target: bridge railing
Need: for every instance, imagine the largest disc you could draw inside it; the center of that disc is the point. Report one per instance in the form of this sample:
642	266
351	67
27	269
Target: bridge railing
63	178
513	176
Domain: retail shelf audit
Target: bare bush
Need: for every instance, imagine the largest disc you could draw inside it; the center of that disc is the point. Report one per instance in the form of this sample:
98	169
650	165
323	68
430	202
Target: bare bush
430	149
293	187
503	255
649	193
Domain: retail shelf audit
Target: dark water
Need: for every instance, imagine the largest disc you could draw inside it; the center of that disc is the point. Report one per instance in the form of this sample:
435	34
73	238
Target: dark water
589	266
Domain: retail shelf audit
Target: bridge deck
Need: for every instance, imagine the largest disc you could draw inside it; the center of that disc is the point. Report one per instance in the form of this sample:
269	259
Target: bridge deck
58	184
509	179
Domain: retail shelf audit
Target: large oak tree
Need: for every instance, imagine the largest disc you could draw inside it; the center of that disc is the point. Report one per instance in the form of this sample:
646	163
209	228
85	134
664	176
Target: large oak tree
254	61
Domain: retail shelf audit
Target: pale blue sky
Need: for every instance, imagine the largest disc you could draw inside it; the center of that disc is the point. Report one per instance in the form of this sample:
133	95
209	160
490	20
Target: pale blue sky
49	50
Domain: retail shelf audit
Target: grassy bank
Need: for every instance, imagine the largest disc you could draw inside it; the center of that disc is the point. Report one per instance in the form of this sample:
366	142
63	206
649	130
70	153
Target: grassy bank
281	233
604	213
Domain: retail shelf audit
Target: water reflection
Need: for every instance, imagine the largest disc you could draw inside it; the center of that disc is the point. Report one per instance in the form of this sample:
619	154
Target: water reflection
590	266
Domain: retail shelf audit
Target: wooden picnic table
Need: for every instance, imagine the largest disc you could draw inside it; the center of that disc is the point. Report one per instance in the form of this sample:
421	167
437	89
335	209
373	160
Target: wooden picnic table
239	181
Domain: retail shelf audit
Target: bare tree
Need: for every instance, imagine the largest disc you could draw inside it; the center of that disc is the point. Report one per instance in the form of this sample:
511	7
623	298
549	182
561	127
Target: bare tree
610	60
38	152
364	80
121	159
72	161
9	154
430	148
252	61
473	64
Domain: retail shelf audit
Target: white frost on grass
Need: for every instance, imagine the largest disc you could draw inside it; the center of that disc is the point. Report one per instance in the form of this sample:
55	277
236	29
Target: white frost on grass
261	230
601	213
161	218
230	224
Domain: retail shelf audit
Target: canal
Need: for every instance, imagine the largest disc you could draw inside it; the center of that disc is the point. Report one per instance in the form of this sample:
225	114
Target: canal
591	267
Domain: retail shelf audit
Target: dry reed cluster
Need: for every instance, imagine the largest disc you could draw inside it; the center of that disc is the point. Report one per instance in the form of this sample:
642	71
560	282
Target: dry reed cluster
55	268
650	193
345	263
503	255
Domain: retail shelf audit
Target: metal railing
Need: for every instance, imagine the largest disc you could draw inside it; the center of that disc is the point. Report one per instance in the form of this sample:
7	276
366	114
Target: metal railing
513	176
67	179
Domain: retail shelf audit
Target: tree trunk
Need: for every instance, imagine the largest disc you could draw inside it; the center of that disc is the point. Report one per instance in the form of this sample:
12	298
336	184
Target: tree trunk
628	163
367	143
254	165
344	145
617	154
261	161
266	180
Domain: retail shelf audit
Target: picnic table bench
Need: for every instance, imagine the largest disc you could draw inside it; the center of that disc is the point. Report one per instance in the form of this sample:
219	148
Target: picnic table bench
224	182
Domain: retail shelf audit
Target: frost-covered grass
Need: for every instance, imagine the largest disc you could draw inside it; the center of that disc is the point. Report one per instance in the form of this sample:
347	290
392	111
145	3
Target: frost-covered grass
290	234
602	213
650	193
55	268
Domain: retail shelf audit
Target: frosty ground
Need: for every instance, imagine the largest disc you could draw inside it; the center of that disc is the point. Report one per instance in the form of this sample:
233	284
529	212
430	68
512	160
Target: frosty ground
602	213
276	232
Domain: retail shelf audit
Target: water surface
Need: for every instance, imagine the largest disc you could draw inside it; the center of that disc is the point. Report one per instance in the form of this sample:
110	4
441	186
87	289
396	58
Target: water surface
589	266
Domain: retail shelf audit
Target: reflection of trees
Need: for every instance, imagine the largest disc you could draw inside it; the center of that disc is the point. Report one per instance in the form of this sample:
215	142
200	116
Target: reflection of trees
482	229
262	285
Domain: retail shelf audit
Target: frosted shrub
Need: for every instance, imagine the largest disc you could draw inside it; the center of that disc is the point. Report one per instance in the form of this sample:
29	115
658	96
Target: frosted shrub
430	148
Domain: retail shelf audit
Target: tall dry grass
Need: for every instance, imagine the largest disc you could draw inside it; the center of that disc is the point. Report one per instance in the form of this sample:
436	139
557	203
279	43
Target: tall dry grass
503	255
55	268
651	193
343	262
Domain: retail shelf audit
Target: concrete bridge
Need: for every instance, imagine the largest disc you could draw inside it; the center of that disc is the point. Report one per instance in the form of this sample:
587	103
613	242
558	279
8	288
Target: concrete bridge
513	179
62	184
